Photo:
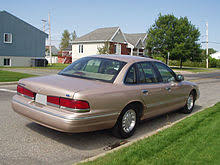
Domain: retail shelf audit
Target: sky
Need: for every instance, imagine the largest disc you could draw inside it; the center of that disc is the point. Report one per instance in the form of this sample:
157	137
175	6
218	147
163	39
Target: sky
132	16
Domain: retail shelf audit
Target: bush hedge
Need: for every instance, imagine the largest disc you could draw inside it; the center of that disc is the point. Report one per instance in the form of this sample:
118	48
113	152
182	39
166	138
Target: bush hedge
213	63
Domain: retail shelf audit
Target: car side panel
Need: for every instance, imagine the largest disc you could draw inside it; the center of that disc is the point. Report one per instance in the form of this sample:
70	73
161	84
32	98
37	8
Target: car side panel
111	100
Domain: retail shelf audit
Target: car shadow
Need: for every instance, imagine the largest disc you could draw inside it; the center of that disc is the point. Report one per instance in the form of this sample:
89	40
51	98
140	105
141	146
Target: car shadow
104	138
81	141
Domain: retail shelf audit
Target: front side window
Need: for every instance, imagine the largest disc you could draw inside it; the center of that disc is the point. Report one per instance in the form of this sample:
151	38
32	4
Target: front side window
146	73
7	62
131	77
166	73
94	68
7	38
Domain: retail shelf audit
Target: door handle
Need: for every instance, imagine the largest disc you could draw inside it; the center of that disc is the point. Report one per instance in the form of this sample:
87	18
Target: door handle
144	91
168	88
173	85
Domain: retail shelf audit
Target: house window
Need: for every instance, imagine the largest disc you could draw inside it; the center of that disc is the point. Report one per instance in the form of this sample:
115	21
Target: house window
7	62
7	38
80	48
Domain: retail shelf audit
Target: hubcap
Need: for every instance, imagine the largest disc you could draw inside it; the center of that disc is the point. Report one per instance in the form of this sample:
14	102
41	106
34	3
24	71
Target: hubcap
190	102
129	120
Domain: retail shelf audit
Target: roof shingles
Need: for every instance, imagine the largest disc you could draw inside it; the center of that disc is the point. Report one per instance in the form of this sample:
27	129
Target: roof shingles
135	37
101	34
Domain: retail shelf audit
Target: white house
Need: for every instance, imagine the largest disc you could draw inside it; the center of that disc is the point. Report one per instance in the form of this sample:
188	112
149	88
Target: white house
136	43
88	44
215	55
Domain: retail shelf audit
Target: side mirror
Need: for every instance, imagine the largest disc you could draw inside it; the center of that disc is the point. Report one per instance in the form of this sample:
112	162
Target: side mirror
179	77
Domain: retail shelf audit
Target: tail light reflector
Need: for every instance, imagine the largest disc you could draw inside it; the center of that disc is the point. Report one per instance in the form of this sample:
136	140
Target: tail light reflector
25	92
52	100
74	104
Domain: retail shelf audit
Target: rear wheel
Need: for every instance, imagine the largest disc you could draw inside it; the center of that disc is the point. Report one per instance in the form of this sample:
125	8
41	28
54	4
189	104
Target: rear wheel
189	103
126	123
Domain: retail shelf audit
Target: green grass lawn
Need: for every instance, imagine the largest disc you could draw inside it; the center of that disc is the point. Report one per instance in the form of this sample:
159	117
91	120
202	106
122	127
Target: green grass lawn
57	66
194	140
7	76
194	70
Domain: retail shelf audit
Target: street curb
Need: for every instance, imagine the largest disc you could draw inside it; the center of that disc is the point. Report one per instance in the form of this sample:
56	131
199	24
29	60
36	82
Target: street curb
141	138
9	83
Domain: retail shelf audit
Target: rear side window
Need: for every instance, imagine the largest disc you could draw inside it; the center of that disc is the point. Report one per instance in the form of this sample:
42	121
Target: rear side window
146	73
166	73
131	77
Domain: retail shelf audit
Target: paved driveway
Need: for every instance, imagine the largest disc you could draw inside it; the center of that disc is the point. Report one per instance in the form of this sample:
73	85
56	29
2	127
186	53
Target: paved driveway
24	142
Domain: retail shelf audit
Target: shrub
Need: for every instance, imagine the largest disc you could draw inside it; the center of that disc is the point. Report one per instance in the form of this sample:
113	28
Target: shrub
213	63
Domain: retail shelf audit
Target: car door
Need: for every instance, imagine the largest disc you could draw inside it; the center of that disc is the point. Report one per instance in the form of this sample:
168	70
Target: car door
150	89
171	89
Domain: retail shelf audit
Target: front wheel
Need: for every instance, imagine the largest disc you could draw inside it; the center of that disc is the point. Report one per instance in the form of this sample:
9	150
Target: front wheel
190	102
126	123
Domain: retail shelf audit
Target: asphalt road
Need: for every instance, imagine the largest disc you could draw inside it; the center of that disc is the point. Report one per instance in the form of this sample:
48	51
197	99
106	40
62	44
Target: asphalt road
24	142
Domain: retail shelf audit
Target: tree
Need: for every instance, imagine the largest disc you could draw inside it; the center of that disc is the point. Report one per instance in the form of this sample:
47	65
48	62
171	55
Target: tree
202	56
65	40
178	36
73	35
105	49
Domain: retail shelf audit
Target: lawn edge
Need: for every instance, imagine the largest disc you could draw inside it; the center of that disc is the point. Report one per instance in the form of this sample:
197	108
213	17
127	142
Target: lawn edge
140	138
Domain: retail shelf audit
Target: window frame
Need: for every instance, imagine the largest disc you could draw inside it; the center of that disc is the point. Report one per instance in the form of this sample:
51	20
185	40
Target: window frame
80	48
10	36
158	72
126	74
7	59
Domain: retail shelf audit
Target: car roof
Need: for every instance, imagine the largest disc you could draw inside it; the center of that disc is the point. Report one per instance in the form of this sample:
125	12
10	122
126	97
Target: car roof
125	58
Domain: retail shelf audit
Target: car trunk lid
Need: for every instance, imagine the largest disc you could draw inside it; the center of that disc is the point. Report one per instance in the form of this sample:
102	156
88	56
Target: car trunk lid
58	85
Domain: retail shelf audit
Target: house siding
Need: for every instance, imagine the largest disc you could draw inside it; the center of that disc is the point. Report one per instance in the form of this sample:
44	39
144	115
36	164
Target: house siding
27	41
17	61
88	49
124	50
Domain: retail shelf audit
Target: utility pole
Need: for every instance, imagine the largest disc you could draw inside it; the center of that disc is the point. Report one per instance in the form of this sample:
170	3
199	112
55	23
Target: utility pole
44	22
50	38
207	45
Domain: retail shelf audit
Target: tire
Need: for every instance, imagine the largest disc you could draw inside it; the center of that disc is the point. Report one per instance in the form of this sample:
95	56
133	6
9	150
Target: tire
127	122
190	102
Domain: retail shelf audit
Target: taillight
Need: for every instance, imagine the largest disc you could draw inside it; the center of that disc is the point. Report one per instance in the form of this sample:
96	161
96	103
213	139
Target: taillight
68	104
52	100
74	104
25	92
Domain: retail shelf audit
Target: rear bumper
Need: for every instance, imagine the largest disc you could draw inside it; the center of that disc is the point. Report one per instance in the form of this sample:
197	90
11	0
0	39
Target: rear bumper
60	119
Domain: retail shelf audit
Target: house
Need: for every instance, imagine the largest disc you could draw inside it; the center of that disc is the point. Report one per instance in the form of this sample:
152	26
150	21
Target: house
54	52
88	44
136	43
215	55
20	42
65	56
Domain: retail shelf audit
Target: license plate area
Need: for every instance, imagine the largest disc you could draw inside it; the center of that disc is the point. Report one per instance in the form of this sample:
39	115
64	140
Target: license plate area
41	99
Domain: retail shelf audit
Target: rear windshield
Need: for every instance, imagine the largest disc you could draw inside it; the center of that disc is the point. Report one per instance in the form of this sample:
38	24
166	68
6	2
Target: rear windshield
94	68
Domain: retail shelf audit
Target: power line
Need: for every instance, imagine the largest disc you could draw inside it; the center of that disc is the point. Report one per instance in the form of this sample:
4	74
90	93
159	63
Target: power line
212	42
